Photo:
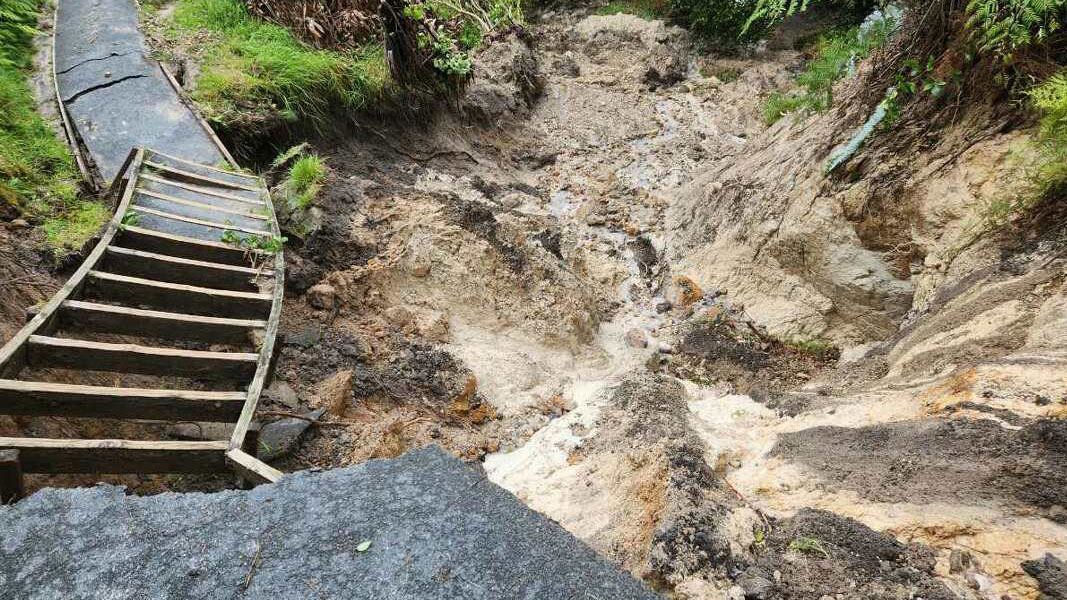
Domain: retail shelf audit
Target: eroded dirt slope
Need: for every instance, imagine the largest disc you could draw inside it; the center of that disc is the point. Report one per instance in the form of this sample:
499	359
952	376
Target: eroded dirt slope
607	281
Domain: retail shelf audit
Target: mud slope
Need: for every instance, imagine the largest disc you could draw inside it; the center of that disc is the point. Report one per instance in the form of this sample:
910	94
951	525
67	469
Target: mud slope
656	321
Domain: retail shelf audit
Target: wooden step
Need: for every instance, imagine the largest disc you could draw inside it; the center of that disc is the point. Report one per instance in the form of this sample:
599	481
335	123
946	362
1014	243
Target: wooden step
44	455
176	161
218	210
254	198
186	271
137	291
176	172
38	398
105	318
159	242
222	226
51	352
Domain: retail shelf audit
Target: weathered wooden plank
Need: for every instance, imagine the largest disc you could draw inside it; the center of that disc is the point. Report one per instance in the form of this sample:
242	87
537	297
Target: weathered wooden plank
12	486
174	269
176	172
13	353
160	242
251	468
45	455
252	197
190	299
170	159
50	352
266	352
40	398
91	316
221	226
225	209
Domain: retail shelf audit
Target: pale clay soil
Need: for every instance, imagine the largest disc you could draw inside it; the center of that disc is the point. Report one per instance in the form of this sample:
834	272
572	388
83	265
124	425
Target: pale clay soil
580	281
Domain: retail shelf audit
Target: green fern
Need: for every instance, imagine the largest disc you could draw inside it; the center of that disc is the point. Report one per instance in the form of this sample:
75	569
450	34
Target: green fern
1003	26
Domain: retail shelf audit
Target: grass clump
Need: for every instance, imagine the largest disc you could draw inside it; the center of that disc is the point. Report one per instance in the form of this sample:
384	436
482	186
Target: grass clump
38	178
836	55
305	180
253	63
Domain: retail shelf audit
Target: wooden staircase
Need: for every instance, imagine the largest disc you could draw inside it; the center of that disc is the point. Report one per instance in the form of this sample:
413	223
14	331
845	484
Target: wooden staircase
184	289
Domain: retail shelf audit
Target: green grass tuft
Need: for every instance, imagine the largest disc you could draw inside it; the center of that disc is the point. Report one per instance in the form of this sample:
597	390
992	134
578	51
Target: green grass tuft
305	180
38	178
256	64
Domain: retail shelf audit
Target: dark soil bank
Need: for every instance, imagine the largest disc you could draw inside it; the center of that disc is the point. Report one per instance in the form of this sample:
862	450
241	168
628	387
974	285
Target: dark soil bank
942	461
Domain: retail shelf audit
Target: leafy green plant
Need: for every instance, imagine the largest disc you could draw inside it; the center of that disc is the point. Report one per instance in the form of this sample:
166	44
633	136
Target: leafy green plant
808	545
836	56
268	244
130	218
1004	26
449	59
1046	170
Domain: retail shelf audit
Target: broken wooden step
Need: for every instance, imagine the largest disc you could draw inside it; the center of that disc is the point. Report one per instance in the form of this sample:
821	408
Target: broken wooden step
62	353
40	398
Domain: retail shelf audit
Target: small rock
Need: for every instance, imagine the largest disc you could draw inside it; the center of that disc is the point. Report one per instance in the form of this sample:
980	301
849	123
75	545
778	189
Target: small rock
283	394
334	392
635	338
665	348
662	306
19	224
322	296
755	587
595	219
279	438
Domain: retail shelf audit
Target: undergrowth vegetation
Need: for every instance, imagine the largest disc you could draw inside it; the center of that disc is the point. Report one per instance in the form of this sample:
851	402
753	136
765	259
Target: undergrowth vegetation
1046	173
312	62
254	68
836	55
38	179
